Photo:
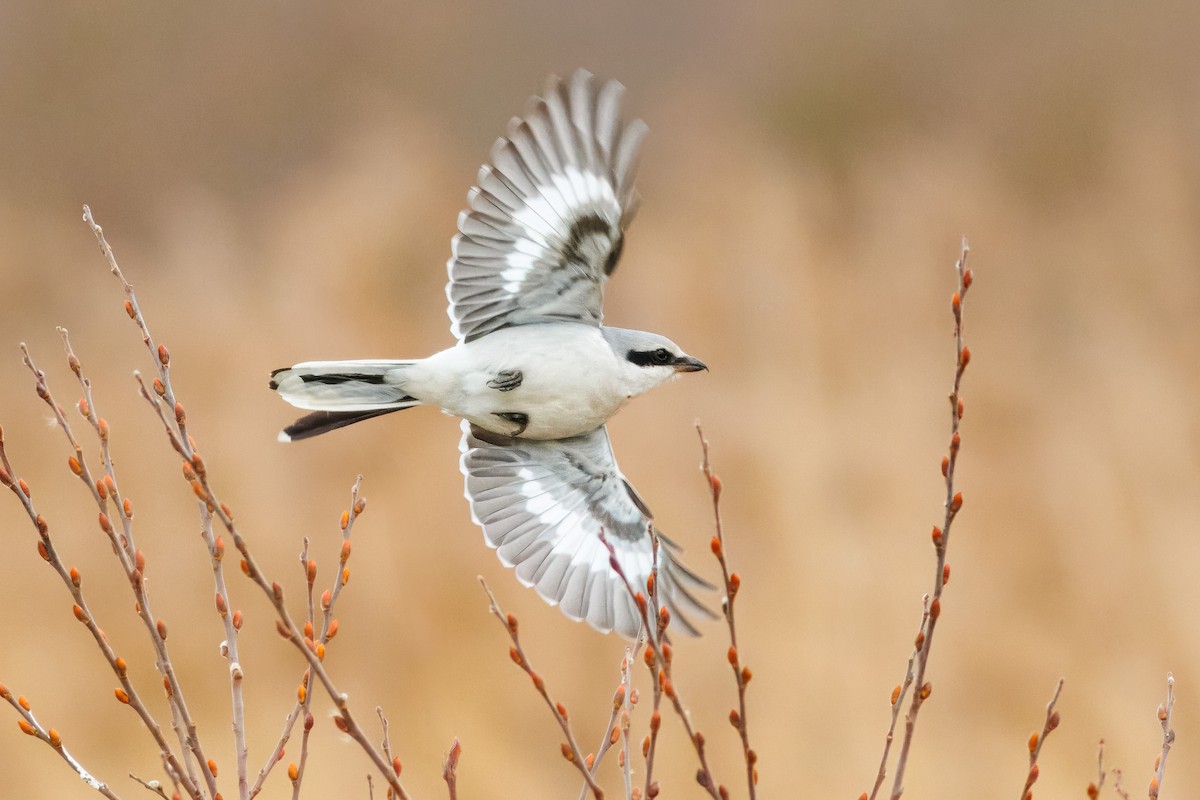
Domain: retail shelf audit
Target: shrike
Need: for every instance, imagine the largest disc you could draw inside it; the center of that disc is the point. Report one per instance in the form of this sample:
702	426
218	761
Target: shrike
535	374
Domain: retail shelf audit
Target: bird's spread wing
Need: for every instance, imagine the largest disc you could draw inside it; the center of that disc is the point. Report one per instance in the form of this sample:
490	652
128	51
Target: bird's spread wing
546	220
542	506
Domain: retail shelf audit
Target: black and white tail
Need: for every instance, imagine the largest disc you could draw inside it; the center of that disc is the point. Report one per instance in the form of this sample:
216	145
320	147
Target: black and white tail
340	393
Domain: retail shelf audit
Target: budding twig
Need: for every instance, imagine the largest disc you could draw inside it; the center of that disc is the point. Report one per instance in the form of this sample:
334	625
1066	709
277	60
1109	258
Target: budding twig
1165	712
450	769
732	583
29	724
1036	741
658	659
181	771
932	603
570	748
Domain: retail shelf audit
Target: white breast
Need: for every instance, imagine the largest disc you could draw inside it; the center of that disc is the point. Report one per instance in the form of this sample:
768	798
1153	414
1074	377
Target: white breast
571	380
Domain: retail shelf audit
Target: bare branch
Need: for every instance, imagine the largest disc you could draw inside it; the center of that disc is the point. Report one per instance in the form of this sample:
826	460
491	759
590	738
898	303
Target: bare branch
1036	741
732	582
570	748
450	769
50	736
932	604
1165	713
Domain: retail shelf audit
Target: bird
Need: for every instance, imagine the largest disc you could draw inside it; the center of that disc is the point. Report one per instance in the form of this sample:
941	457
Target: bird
535	375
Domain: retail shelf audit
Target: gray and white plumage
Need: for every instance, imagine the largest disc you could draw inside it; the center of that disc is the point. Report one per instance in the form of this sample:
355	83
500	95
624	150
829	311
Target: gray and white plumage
535	375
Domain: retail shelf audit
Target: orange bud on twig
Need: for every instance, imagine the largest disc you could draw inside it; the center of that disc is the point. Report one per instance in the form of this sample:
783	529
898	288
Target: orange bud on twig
80	614
26	727
121	695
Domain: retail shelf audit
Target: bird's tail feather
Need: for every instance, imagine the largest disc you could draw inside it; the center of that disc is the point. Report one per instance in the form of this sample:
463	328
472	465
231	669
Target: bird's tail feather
319	422
341	393
344	385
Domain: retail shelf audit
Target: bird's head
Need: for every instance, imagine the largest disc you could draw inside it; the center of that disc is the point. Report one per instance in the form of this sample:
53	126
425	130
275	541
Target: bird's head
648	359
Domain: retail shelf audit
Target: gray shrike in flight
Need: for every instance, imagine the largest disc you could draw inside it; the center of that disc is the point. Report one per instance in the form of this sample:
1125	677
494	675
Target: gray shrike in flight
535	374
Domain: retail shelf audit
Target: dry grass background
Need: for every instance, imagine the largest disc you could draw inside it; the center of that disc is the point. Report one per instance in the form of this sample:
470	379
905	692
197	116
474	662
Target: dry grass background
280	182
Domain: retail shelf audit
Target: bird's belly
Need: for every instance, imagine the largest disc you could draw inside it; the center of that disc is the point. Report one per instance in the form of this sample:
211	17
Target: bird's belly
567	379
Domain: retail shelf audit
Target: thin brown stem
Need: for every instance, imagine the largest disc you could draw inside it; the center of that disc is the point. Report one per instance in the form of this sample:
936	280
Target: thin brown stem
329	629
1037	740
658	659
570	748
72	580
51	737
732	583
1165	713
450	769
618	723
941	539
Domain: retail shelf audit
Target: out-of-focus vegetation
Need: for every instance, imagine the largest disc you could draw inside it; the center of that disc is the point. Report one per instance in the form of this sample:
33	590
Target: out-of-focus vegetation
280	182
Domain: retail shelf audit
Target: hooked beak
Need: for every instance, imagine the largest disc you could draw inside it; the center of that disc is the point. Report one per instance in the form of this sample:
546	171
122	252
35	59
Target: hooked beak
689	364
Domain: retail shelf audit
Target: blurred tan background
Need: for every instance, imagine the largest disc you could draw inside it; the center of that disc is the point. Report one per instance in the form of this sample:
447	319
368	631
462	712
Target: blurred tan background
280	182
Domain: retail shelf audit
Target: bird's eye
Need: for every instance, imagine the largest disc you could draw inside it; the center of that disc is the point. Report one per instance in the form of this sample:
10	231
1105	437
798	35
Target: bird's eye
662	356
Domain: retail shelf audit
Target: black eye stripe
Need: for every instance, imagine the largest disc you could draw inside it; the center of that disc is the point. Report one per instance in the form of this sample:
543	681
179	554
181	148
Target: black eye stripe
659	357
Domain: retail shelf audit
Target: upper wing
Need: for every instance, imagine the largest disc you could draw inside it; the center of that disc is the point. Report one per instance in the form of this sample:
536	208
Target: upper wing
542	505
545	223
